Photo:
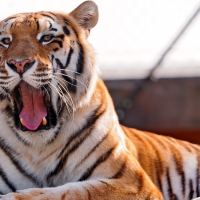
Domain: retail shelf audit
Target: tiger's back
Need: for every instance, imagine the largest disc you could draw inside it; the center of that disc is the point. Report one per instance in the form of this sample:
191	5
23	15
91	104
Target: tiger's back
173	165
60	137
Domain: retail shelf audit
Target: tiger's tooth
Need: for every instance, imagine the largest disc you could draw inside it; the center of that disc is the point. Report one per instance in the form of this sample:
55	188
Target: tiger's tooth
22	121
44	121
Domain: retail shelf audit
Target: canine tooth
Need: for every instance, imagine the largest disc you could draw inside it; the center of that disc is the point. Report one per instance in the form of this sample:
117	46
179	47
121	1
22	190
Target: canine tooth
22	121
44	121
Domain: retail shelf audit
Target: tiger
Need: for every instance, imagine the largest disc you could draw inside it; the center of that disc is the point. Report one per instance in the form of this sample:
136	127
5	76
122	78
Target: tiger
60	137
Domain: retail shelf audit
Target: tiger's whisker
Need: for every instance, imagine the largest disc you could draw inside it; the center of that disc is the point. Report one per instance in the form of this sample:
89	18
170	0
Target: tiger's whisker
73	72
65	89
70	99
72	78
62	96
67	75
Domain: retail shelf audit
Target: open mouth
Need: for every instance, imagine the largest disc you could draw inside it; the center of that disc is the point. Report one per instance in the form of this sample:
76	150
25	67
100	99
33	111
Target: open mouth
33	114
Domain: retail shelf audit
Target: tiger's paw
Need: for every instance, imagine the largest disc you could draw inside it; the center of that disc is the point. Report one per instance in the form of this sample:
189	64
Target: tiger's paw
30	194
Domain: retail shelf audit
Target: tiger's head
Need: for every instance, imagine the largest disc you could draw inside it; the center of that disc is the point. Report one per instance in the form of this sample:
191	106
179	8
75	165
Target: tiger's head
47	69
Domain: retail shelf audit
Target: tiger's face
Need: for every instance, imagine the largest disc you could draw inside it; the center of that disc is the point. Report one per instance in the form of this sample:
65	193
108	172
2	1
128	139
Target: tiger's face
45	69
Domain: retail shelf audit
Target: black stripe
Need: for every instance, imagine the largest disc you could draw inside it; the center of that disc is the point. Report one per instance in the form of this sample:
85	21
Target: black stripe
100	160
53	29
158	176
182	174
71	83
170	190
38	26
51	114
104	183
55	49
55	135
92	150
16	113
2	97
10	19
5	25
89	123
114	188
8	111
50	25
71	50
191	193
66	22
45	15
42	80
88	194
63	158
3	83
60	36
6	180
80	64
8	151
60	43
6	91
60	107
5	78
69	56
179	167
119	172
52	58
54	14
198	177
58	63
66	30
37	23
18	136
75	32
158	164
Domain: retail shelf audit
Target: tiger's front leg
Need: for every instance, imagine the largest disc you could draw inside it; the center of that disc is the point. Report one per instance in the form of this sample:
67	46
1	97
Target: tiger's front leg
102	189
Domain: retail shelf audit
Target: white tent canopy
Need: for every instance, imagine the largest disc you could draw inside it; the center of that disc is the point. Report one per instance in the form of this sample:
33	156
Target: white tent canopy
132	34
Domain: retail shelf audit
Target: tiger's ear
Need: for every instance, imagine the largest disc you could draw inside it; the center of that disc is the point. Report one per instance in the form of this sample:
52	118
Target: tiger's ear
86	14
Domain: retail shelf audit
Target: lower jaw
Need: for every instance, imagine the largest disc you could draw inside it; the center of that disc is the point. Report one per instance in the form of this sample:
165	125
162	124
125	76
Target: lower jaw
42	126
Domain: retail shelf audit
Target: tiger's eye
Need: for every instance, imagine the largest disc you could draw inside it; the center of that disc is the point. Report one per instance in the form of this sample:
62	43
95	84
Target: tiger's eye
6	41
46	38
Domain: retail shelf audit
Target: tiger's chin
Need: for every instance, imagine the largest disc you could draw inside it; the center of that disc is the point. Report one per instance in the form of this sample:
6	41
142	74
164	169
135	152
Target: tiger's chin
39	138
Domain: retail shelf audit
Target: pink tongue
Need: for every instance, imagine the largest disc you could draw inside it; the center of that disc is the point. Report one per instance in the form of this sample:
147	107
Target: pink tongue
33	109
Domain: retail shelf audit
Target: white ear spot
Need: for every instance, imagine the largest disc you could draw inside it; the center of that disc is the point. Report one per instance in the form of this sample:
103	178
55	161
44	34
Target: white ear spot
86	14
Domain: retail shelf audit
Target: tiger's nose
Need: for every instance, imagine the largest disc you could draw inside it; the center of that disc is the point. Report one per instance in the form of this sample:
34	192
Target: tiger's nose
20	66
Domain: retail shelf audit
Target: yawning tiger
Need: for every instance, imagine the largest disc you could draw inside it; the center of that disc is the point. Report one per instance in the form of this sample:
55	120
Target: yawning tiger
59	133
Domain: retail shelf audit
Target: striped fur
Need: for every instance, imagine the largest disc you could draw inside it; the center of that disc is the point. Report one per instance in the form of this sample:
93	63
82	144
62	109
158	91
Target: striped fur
80	151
